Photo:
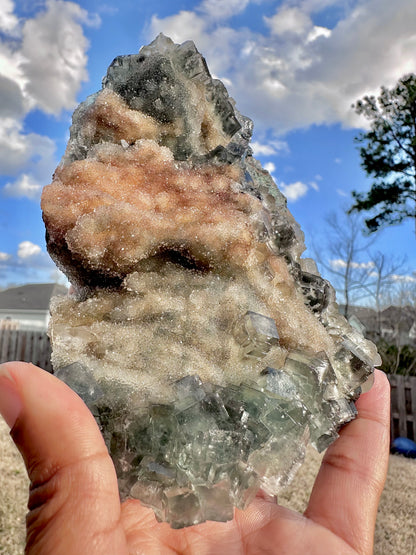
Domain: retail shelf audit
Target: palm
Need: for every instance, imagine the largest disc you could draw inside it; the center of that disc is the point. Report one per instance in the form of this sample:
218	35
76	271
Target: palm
263	528
74	504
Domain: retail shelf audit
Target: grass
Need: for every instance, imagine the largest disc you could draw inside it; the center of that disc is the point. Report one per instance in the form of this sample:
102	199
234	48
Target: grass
396	520
13	495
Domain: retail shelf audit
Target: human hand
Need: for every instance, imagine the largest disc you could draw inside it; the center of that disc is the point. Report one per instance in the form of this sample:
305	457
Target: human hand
74	505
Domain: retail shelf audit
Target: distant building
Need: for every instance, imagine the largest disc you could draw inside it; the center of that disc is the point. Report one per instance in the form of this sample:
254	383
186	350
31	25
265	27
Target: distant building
395	324
27	307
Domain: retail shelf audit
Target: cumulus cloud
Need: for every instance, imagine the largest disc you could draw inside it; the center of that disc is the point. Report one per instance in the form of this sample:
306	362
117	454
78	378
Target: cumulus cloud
59	277
18	150
24	186
293	191
27	249
269	166
291	21
8	21
181	27
48	62
300	73
29	262
54	48
403	278
260	149
269	148
42	66
339	263
222	9
12	100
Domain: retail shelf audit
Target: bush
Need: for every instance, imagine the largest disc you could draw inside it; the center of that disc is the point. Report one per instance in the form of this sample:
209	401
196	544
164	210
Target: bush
397	359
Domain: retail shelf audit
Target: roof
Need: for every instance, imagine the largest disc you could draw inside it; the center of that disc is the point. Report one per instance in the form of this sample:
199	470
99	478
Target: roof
389	317
35	296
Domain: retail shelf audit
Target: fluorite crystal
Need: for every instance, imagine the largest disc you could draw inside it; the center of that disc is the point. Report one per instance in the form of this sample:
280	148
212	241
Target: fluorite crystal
208	350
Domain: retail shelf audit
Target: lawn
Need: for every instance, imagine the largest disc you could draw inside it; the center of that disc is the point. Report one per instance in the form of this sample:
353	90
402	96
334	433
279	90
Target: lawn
396	521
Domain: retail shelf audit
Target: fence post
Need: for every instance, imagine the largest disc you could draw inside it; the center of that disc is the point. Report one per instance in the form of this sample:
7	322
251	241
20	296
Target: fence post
403	406
27	346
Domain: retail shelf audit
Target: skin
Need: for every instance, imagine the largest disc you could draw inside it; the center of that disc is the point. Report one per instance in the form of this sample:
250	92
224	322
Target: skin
74	505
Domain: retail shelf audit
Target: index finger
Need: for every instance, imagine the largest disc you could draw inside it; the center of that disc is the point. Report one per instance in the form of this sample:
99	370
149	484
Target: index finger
350	481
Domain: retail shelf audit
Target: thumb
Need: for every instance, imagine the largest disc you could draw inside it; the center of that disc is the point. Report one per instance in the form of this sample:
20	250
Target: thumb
73	501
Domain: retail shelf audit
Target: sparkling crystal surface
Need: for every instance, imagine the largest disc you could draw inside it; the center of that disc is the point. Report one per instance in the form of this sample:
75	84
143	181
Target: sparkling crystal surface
208	350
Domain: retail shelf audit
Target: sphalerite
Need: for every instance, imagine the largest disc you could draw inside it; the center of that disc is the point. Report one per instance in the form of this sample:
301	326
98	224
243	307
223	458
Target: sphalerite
208	350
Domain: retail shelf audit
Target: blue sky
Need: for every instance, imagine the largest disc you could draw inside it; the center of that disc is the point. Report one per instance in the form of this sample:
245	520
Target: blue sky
293	66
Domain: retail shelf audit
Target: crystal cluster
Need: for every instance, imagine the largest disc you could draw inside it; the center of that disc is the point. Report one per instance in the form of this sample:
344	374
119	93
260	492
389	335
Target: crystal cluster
208	350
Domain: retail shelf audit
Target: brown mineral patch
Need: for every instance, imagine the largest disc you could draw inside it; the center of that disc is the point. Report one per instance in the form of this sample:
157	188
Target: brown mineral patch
109	119
107	214
124	205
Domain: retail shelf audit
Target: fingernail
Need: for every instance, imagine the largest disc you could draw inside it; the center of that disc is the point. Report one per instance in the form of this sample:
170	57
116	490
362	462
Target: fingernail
10	401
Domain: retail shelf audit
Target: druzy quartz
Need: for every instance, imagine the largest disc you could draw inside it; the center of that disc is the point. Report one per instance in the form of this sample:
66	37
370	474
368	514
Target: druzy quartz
208	350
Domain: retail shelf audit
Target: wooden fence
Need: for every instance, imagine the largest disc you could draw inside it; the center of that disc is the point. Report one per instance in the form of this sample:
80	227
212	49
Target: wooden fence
28	346
403	406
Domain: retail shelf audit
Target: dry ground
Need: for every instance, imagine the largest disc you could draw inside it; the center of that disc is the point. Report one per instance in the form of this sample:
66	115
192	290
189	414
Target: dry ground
396	522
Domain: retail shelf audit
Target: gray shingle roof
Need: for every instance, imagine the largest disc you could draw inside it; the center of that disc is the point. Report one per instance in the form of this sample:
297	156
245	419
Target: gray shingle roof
35	296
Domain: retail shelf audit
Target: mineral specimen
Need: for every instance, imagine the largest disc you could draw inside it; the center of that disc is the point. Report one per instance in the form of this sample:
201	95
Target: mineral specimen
208	350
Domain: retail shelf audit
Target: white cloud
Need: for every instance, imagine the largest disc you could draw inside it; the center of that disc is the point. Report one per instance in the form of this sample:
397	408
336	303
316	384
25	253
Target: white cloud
54	48
19	150
290	21
317	32
293	191
269	166
222	9
342	193
28	249
24	186
181	27
59	277
314	185
8	20
311	6
260	149
28	263
340	263
274	146
11	61
42	65
12	100
403	278
301	74
48	61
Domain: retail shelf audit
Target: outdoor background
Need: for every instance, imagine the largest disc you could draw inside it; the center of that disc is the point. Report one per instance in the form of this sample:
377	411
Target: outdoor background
295	67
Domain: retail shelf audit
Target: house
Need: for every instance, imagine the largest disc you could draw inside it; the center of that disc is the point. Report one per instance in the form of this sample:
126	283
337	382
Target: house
394	324
27	307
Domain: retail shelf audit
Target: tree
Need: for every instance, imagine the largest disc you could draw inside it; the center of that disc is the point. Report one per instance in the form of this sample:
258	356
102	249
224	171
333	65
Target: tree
358	273
382	282
388	155
398	351
344	246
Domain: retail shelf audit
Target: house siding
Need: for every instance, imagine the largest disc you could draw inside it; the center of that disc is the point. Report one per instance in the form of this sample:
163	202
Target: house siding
24	320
